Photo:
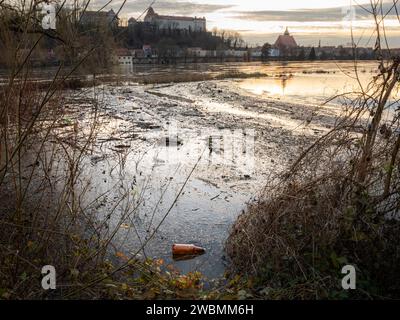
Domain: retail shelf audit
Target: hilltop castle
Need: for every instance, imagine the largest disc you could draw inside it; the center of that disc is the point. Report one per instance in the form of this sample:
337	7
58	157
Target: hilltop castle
99	18
175	22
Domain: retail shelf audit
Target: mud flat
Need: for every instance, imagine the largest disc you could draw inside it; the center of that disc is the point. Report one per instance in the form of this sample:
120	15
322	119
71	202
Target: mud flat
150	138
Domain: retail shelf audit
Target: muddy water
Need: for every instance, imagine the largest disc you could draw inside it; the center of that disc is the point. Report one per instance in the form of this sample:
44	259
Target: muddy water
178	163
153	175
304	82
150	167
312	83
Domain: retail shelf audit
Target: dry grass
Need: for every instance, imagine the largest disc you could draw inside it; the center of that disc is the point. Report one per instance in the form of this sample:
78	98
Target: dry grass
46	217
337	205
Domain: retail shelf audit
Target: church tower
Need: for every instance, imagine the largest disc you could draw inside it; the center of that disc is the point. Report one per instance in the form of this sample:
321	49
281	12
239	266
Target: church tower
287	32
285	41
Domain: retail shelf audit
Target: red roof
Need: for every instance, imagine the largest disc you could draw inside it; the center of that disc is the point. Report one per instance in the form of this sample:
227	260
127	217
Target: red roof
122	52
285	41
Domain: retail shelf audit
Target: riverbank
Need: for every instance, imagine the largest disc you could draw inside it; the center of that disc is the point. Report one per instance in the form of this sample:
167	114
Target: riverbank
179	162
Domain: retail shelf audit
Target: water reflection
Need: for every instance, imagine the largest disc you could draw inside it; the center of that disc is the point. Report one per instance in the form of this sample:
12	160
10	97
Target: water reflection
284	84
208	206
186	258
302	88
311	83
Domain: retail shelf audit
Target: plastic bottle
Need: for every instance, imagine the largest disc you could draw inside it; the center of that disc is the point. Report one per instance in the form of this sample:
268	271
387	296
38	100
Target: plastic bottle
186	249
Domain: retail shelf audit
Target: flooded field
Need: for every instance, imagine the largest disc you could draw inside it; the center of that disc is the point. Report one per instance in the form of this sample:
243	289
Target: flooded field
304	82
178	162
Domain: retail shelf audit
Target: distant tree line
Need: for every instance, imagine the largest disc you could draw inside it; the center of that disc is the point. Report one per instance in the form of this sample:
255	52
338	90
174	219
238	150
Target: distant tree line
93	44
140	33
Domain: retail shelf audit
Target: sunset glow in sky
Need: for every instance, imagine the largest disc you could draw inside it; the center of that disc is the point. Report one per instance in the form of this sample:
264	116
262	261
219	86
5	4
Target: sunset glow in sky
262	21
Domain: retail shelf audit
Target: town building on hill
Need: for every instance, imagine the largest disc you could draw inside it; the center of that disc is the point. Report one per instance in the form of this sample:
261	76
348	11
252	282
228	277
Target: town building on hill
175	22
122	56
99	18
286	43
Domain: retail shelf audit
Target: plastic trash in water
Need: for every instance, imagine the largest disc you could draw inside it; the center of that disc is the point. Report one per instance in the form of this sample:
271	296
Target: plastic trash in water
187	250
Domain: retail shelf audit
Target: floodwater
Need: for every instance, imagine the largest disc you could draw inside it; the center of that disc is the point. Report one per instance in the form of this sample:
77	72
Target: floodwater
303	82
152	176
181	182
162	131
177	163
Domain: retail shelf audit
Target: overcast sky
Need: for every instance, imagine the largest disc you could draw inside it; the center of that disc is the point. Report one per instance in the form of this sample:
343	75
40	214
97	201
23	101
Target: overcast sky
260	21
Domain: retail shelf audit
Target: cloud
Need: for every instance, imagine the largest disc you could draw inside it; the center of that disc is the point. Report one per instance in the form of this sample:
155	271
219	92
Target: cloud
325	14
165	7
